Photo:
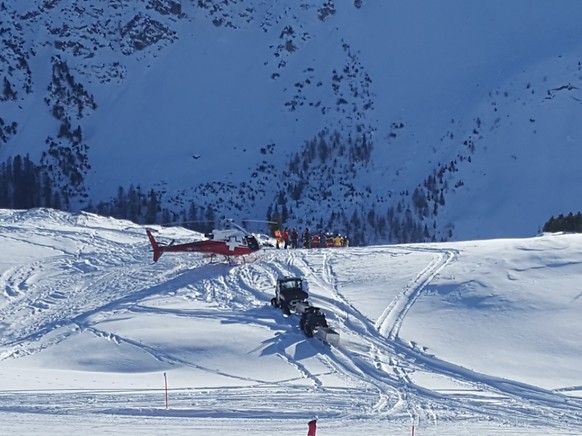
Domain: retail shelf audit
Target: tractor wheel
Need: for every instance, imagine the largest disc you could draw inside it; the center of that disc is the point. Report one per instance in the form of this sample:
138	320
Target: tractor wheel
274	302
302	324
286	310
308	331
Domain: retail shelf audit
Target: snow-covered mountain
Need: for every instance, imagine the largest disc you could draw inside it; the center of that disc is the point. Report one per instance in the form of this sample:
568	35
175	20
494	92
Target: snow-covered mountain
456	338
389	121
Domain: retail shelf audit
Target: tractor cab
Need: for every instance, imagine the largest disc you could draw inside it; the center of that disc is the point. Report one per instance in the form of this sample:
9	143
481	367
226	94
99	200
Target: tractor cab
288	293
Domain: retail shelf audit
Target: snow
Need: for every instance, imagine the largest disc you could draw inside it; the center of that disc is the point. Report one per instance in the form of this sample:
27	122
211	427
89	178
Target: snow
477	337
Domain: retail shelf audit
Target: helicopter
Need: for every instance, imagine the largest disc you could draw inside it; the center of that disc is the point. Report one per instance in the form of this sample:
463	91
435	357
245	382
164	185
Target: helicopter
233	240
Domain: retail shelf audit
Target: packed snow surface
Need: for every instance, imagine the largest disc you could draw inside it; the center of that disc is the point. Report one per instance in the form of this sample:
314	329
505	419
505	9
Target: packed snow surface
453	338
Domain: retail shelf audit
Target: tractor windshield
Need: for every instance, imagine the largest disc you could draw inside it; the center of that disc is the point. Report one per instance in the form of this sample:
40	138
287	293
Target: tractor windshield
291	284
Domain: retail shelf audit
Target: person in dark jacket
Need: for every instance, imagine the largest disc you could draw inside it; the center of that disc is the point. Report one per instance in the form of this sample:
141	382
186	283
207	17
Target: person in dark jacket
294	238
322	240
307	238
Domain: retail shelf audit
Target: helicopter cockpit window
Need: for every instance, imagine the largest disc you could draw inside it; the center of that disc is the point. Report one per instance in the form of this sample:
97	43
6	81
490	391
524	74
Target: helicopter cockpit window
251	242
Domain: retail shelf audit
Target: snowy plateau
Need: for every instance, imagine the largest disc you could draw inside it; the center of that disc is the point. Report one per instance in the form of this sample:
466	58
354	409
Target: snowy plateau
450	338
390	121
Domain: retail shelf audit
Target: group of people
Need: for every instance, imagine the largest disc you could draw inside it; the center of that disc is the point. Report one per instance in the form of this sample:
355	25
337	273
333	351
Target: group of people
293	239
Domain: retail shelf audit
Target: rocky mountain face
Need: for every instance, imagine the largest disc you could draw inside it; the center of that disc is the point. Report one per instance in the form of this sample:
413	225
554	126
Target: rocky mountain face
292	112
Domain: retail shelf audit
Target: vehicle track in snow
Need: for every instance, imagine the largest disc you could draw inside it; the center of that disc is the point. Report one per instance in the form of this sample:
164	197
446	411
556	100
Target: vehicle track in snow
378	368
121	282
240	291
356	369
367	363
71	285
390	321
396	361
277	264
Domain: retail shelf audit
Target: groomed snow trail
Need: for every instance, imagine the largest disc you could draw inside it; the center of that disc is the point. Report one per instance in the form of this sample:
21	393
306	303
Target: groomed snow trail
83	277
390	363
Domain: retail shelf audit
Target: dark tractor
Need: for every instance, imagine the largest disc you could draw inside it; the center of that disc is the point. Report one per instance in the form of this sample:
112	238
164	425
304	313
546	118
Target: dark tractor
311	320
288	293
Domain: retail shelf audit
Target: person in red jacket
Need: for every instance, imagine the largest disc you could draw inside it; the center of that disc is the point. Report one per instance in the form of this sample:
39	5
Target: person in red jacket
312	426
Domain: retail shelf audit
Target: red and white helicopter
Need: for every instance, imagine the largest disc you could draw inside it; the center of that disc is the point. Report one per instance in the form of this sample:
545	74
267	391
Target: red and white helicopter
230	241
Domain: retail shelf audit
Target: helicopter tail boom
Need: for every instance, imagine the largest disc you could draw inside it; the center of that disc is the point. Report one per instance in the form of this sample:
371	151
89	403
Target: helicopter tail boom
157	250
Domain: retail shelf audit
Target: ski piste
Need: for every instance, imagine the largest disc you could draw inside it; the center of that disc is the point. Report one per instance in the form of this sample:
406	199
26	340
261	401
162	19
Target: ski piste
90	325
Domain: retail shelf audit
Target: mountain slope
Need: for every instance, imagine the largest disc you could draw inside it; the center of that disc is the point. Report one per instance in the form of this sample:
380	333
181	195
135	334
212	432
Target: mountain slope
386	121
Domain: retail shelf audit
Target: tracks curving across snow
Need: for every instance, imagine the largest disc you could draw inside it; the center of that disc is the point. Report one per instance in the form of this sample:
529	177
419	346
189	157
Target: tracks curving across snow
382	360
77	288
390	321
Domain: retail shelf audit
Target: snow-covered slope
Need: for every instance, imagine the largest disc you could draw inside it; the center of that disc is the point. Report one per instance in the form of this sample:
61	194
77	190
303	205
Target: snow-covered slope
464	338
340	115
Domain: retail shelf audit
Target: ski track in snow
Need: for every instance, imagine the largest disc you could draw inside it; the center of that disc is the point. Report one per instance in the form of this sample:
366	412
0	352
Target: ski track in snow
94	279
